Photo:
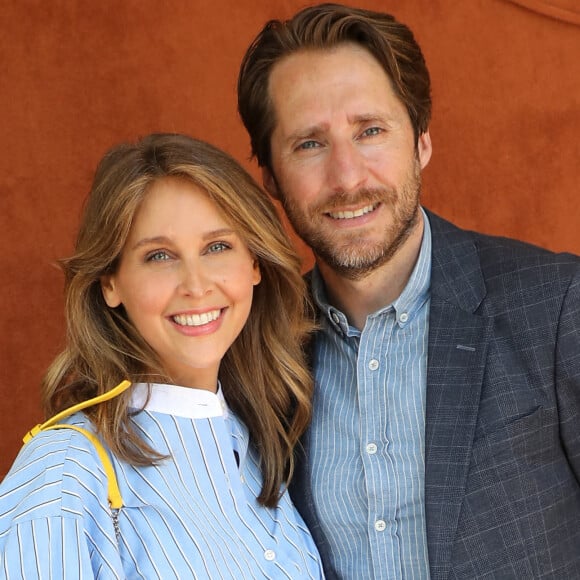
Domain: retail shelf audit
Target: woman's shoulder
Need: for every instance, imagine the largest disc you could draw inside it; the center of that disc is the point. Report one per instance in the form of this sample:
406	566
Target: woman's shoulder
57	473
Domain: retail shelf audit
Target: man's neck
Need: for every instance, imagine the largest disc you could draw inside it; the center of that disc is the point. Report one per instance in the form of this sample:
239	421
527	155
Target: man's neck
359	298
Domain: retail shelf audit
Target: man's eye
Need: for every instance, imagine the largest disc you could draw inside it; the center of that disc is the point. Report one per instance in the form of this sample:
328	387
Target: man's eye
308	145
157	256
372	131
217	247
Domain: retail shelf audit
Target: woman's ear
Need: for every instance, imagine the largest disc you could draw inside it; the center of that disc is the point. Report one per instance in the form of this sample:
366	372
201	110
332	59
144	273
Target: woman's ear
109	290
257	277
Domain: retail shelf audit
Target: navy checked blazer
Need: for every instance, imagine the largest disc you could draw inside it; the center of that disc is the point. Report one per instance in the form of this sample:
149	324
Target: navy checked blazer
502	442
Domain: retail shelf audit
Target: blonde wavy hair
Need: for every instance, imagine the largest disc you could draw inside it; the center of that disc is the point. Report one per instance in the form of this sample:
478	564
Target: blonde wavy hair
263	375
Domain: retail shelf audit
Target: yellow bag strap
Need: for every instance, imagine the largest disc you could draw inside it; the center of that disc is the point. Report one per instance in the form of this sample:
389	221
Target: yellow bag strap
113	492
122	386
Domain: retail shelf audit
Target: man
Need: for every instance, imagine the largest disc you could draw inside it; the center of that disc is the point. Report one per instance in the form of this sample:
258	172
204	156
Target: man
445	440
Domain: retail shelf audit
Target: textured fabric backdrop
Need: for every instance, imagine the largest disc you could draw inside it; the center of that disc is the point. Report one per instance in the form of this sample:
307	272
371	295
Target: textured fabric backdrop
77	77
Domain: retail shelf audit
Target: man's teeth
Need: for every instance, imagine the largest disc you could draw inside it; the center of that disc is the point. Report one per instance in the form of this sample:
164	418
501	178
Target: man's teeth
196	319
346	215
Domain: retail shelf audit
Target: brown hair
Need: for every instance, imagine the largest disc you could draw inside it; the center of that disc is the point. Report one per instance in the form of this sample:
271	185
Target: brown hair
263	375
321	27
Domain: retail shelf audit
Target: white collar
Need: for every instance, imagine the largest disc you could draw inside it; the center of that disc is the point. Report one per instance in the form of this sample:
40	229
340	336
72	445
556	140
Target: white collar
180	401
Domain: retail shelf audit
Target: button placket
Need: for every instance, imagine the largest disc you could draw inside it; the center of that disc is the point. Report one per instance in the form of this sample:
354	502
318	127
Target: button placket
371	448
373	365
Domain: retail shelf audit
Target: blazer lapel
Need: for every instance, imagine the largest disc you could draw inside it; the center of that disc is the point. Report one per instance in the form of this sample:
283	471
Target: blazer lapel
458	341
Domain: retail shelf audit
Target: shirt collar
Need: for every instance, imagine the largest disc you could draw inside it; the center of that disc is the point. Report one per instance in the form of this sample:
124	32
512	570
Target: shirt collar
179	401
405	306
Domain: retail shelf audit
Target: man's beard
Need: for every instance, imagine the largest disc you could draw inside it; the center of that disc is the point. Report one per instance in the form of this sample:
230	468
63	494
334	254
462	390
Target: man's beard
350	255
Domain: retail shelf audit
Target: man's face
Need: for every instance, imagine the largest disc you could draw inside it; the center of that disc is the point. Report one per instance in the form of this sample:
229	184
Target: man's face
344	160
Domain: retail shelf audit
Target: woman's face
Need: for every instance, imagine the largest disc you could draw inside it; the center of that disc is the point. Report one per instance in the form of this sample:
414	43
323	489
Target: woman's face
186	280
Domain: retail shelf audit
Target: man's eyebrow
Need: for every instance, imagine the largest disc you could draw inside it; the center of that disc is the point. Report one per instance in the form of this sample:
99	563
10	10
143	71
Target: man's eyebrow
383	119
307	132
314	131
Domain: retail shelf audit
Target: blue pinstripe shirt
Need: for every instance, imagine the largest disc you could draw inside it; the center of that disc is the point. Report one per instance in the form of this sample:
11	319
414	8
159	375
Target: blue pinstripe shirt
366	443
192	516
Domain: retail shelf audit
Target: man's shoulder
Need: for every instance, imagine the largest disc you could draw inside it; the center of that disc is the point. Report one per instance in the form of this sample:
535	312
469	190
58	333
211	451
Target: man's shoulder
496	250
500	273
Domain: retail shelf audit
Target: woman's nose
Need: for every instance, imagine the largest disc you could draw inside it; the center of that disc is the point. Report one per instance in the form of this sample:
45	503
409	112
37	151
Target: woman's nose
195	280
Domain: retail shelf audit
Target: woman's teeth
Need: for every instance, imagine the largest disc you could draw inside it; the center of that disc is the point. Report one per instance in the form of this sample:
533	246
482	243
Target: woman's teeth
196	319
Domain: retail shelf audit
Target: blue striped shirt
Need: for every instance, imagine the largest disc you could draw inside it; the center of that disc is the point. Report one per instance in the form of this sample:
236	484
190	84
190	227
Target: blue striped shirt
194	515
365	448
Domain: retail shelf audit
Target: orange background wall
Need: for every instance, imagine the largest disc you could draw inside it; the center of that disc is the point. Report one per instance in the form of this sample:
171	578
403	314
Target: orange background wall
77	77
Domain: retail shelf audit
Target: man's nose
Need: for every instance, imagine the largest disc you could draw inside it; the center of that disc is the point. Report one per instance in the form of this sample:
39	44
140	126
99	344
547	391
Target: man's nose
347	169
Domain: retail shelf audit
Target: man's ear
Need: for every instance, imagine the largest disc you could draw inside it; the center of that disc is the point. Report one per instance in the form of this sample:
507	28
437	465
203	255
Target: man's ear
109	290
424	149
270	184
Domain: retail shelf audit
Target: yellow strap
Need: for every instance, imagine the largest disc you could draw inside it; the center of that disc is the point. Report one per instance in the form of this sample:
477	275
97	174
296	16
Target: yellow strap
113	492
122	386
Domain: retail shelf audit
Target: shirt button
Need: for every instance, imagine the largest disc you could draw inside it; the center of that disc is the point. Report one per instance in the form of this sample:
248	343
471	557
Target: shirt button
270	555
404	317
380	525
371	448
373	364
335	317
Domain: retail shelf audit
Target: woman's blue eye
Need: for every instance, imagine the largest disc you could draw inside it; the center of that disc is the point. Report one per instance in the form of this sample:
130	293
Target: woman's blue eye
158	256
218	247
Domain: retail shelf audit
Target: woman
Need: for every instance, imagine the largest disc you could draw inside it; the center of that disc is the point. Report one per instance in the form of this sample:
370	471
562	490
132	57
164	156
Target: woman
184	283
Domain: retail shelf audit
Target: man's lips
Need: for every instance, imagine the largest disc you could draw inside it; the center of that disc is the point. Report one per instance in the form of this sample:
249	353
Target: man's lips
350	214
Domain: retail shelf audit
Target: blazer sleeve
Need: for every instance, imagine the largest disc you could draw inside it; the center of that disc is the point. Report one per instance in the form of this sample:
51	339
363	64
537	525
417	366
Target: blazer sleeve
568	372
